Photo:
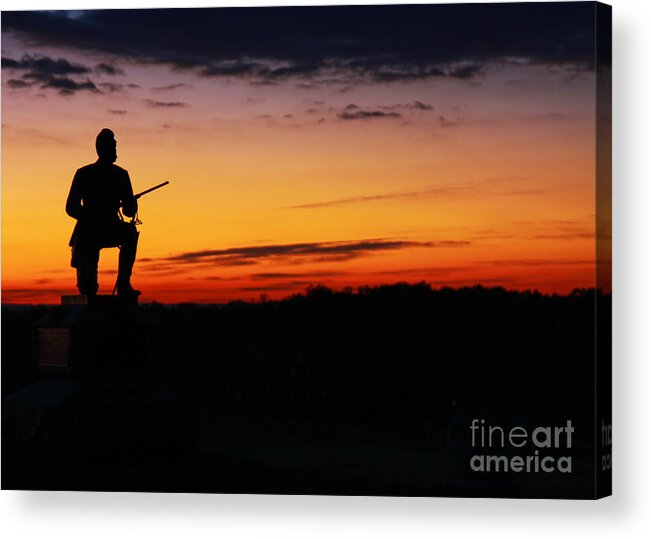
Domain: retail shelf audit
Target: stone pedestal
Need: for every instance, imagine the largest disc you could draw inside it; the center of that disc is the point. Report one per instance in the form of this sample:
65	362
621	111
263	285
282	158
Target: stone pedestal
100	412
89	336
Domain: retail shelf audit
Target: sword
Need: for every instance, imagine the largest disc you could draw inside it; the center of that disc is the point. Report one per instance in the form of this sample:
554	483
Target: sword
135	219
150	189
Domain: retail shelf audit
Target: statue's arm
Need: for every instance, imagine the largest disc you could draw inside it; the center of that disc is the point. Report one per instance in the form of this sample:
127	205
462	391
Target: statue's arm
74	207
129	202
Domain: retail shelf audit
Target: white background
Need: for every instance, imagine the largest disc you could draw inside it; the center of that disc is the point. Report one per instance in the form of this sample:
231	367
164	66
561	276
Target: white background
626	514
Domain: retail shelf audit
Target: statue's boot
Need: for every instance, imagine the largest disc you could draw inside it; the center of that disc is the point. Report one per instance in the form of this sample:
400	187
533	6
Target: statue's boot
126	261
127	291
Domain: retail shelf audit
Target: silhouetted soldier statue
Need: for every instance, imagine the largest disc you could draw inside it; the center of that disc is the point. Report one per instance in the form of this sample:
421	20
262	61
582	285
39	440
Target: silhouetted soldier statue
97	193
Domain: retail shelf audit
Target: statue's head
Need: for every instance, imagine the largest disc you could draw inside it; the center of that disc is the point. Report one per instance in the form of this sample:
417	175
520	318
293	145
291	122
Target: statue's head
106	146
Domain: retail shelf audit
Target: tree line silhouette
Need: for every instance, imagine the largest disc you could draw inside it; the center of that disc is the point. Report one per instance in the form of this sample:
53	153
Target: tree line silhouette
378	351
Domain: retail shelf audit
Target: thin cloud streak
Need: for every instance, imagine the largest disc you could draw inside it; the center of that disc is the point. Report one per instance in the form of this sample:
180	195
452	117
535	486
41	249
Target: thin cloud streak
533	262
314	251
470	189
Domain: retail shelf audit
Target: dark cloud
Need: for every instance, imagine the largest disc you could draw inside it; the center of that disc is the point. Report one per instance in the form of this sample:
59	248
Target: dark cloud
46	72
235	262
45	65
303	70
327	44
64	85
118	112
165	104
465	72
347	114
414	105
420	106
410	73
293	252
235	69
108	69
171	87
407	73
10	63
18	83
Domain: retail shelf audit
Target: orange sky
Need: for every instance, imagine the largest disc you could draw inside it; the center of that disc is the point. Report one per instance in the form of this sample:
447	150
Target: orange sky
457	182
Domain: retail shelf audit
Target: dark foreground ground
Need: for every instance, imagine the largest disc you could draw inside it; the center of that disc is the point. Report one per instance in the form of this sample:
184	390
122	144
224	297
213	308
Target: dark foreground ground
369	392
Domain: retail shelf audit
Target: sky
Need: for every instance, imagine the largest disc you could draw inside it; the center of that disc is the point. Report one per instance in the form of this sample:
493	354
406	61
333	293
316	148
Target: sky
343	146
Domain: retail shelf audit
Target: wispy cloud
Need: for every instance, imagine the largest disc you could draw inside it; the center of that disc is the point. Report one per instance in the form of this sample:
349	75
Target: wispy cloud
32	295
165	104
111	87
419	105
446	121
564	236
538	262
171	87
37	136
557	229
498	187
297	252
108	69
354	112
286	287
264	276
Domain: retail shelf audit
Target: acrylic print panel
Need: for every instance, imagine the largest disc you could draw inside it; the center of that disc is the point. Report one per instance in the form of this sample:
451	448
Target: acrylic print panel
376	267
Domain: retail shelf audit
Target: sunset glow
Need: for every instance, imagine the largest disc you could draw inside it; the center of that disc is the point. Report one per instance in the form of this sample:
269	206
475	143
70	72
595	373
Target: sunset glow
481	177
